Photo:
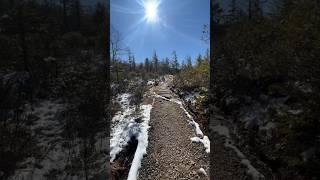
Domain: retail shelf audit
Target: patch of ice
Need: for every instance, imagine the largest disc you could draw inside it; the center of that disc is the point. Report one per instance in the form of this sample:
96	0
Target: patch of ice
142	143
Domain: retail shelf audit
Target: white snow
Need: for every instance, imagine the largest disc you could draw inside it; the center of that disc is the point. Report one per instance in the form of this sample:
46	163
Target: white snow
229	144
150	82
124	126
142	143
192	122
205	141
192	97
49	126
202	171
201	138
256	175
224	131
48	139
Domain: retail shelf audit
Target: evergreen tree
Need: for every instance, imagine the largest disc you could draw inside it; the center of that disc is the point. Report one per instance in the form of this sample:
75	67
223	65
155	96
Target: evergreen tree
189	62
130	59
147	65
175	62
155	61
133	63
199	60
167	65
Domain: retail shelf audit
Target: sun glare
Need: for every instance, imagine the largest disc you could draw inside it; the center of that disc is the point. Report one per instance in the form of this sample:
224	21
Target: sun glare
151	11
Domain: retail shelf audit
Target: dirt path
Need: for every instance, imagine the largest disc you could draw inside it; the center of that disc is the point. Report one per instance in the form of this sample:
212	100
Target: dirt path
170	152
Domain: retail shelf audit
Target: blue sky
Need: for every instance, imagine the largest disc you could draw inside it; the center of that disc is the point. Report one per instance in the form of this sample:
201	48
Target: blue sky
178	27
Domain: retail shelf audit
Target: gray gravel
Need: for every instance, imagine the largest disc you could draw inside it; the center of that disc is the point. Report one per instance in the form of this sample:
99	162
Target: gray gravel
170	152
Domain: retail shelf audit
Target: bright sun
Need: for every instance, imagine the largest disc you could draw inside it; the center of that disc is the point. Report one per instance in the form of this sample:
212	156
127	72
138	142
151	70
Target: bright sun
151	11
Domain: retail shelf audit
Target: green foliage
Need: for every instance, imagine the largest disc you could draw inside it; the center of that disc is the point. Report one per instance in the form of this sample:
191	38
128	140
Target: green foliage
194	77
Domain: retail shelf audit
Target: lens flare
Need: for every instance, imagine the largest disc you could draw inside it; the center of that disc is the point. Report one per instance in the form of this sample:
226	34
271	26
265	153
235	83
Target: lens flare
151	10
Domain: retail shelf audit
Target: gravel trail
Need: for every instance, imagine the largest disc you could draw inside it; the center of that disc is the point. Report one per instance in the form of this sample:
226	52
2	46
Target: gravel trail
170	153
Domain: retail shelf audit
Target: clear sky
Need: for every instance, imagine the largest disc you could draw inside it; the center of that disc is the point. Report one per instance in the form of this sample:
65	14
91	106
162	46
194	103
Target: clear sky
163	25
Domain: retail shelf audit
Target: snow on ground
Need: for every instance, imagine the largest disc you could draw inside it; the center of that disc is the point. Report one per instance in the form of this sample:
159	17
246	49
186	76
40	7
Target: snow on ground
47	127
205	141
224	131
55	157
142	143
192	122
192	97
201	138
202	171
126	127
150	82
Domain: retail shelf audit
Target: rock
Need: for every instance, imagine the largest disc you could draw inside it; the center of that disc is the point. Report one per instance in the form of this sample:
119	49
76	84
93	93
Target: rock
202	172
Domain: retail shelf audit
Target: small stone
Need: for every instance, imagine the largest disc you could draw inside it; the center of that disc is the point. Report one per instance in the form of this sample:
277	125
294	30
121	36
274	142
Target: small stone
202	172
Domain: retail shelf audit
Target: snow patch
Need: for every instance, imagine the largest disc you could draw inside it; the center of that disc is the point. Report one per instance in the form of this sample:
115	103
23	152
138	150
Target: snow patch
142	143
229	144
224	131
192	97
149	83
256	175
205	141
202	171
194	124
49	139
125	126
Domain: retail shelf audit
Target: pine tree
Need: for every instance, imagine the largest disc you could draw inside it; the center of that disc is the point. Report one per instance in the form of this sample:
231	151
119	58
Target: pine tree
207	56
189	62
155	61
130	59
175	63
167	65
147	65
199	60
133	63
